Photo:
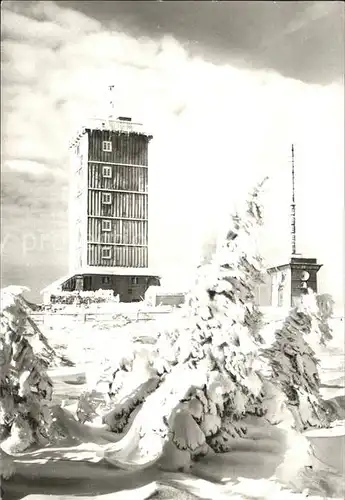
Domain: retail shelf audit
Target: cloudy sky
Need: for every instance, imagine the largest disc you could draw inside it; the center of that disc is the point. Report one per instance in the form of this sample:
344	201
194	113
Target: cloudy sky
224	87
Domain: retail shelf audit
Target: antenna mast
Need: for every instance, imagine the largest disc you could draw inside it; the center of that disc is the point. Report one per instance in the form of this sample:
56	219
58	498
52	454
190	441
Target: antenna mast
293	203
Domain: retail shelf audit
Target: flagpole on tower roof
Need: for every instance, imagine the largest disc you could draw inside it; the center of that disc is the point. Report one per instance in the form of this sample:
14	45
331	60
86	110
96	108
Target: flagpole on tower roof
111	101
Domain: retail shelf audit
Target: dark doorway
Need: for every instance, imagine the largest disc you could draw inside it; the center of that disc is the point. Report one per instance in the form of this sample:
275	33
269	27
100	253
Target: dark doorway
87	283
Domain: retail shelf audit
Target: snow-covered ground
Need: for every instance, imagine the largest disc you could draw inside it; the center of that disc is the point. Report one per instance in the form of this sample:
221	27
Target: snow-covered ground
252	470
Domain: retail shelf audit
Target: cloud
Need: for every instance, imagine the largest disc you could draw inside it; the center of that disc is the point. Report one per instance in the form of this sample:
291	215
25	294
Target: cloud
246	34
30	166
45	21
217	131
311	13
19	26
310	46
34	242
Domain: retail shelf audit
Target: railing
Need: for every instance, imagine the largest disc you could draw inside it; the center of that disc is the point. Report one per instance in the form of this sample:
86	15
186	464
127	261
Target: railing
131	315
115	125
84	317
108	124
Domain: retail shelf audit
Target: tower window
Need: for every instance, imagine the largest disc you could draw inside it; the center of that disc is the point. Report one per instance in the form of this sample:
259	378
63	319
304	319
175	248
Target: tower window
106	225
106	172
105	280
106	253
107	146
106	198
134	280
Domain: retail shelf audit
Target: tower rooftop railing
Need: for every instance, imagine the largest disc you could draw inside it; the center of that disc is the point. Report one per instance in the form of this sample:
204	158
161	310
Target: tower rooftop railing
115	125
112	124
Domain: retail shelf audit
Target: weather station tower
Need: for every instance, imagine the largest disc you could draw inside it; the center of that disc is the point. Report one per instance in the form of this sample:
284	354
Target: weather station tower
108	211
289	281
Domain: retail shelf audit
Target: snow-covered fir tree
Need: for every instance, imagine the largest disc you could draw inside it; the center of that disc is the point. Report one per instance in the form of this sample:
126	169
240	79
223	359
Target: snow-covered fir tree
295	367
25	387
189	394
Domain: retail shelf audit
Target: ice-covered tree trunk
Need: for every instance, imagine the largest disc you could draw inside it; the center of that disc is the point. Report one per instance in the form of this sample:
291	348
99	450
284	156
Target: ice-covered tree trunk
293	360
25	387
324	312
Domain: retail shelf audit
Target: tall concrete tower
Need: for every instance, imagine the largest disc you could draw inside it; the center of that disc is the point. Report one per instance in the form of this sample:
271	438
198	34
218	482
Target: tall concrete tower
109	209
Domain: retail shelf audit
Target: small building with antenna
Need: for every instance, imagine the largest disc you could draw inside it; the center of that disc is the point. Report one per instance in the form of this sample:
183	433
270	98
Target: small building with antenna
108	209
287	282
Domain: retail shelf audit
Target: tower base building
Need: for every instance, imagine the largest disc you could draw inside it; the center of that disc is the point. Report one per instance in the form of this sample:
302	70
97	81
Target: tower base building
127	286
289	281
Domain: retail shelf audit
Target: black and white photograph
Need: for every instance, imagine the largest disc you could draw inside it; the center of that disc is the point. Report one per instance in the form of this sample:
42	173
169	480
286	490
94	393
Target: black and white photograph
172	250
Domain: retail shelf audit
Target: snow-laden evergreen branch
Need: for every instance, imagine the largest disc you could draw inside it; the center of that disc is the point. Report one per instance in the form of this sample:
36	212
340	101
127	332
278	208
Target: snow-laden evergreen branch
25	387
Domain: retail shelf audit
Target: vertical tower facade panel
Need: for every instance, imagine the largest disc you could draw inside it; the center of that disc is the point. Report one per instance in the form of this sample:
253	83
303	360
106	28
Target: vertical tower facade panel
129	148
78	203
117	197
